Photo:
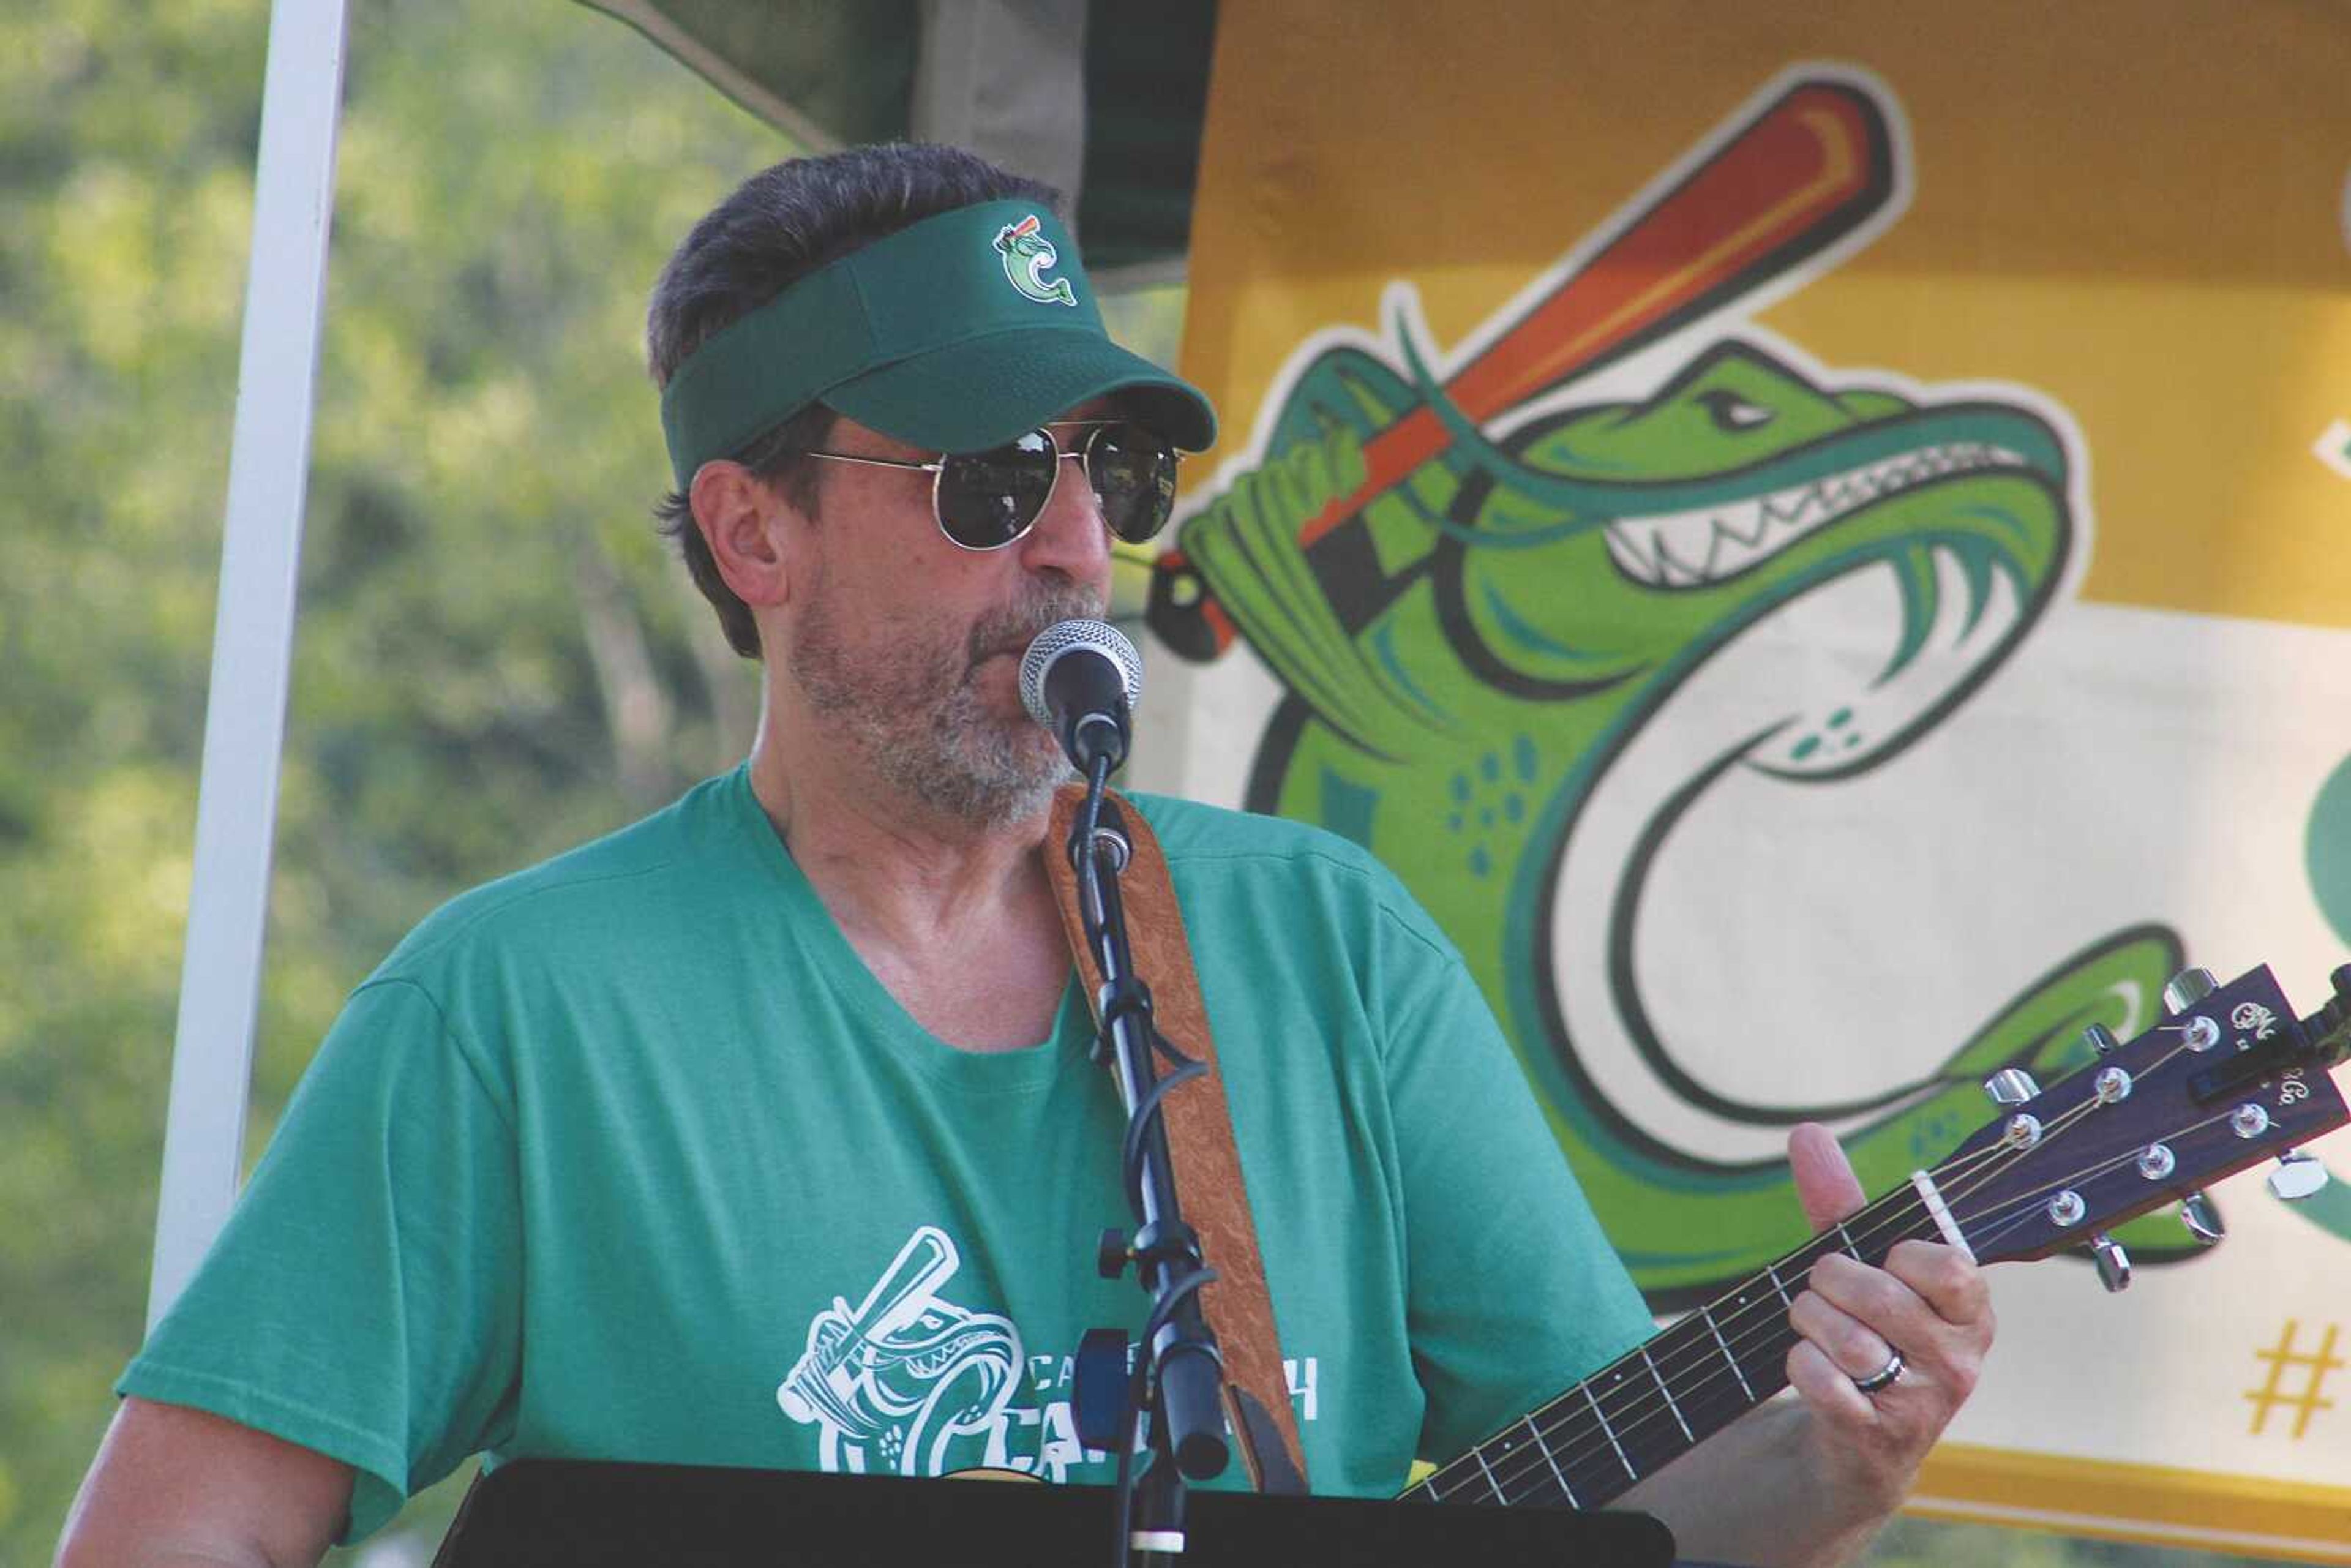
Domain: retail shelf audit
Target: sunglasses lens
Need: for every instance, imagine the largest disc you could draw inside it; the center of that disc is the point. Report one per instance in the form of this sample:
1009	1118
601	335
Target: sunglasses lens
989	498
1132	472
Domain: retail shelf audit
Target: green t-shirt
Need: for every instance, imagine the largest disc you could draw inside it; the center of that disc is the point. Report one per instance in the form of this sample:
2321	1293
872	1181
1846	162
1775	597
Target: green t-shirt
629	1156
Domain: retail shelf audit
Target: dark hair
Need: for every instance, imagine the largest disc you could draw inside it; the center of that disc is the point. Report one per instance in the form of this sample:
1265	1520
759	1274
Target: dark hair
779	225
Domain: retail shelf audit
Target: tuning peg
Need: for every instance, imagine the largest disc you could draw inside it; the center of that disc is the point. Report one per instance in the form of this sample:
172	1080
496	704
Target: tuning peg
2298	1174
2114	1263
2100	1039
2202	1217
2188	987
2332	1043
2339	1006
2011	1086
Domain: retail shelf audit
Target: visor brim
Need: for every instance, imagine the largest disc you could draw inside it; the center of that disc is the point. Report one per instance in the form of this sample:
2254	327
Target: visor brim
984	392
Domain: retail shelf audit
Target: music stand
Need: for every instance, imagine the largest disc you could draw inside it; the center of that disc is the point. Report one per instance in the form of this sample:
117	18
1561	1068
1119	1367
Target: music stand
550	1513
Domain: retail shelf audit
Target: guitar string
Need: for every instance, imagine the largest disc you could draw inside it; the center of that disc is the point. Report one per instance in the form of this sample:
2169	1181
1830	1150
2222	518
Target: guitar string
2026	1203
1548	1468
1735	1323
1640	1413
2031	1199
1634	1416
1562	1416
1644	1409
1734	1328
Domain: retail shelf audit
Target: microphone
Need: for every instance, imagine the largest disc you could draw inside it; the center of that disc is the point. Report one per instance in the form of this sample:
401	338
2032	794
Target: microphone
1078	679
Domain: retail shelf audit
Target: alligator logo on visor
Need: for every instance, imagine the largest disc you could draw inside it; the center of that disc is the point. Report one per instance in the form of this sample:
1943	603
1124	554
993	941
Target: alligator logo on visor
1027	256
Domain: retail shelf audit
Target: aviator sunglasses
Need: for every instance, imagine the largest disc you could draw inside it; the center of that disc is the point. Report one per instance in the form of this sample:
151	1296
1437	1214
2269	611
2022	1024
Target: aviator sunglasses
986	500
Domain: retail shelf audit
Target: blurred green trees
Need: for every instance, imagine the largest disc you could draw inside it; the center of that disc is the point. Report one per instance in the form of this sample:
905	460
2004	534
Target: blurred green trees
493	658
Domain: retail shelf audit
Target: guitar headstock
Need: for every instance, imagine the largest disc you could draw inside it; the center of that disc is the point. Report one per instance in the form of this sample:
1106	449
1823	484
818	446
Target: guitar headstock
2229	1078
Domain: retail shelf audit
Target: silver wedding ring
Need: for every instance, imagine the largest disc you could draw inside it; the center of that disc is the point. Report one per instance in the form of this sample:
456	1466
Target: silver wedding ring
1883	1376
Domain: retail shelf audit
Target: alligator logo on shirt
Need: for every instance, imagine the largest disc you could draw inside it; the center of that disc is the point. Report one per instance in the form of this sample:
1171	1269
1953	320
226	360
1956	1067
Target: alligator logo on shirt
1027	256
897	1380
910	1383
1533	609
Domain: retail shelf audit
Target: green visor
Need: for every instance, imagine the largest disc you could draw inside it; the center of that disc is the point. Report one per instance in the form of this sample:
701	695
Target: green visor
958	334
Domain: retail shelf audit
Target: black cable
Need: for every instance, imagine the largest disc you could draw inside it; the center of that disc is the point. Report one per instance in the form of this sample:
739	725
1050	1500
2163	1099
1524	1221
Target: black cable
1090	905
1138	1128
1167	1048
1171	1296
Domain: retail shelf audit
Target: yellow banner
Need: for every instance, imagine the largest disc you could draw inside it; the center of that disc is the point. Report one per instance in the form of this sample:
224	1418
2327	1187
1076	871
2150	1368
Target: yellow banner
2144	208
1816	542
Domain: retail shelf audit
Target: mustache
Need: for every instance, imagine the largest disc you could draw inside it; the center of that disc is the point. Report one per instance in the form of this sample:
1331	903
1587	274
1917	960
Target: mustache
1011	628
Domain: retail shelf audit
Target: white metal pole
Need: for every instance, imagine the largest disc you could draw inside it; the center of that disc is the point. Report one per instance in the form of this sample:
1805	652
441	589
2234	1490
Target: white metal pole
253	639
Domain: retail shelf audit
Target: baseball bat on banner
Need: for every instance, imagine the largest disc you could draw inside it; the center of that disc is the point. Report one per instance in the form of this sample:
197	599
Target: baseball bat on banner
1810	167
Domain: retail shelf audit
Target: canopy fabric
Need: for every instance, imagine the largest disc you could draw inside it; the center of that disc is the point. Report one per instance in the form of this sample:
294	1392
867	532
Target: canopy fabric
991	75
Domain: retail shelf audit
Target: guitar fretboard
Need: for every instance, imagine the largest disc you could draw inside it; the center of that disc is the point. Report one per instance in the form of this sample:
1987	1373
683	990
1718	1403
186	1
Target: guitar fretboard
1650	1406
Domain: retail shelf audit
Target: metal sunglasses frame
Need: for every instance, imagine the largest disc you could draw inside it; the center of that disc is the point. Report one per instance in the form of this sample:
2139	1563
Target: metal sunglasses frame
936	468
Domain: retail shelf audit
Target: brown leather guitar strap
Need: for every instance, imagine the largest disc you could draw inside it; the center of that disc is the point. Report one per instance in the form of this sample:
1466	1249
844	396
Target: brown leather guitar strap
1199	1137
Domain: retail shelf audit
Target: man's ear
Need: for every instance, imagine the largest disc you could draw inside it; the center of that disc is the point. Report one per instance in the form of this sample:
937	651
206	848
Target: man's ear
749	527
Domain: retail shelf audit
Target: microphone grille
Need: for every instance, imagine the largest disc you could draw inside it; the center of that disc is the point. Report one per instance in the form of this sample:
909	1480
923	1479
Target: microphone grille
1062	637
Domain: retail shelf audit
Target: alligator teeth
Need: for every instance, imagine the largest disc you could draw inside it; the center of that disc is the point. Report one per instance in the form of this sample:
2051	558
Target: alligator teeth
1689	549
1625	553
1676	574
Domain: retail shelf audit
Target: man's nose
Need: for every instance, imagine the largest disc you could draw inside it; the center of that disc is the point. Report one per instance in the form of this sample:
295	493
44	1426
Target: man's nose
1070	536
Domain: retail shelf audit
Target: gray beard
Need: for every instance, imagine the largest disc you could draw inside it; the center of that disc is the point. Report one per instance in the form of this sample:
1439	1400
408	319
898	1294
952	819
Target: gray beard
913	712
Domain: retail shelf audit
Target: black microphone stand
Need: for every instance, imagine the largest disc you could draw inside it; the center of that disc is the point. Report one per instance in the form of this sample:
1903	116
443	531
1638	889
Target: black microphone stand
1179	1375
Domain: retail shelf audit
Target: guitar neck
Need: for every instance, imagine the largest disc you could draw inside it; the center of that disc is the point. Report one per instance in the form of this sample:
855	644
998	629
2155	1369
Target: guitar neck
2227	1078
1679	1387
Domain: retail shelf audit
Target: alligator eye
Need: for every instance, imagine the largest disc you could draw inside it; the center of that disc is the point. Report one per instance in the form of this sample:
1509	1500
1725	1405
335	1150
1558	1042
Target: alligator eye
1734	412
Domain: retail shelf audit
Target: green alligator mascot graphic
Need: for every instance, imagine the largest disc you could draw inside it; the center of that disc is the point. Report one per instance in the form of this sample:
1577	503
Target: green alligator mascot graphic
1027	255
1524	630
